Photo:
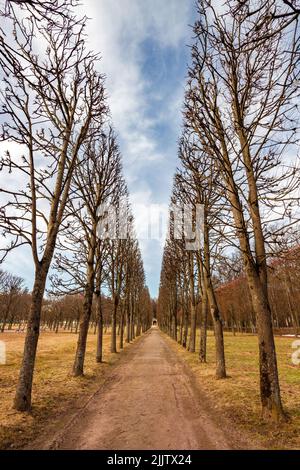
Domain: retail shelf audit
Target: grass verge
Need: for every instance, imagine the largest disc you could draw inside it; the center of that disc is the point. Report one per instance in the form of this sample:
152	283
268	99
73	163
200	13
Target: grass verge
238	396
55	392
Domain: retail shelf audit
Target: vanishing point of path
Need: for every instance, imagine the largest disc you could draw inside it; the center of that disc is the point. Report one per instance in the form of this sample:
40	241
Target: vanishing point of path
148	402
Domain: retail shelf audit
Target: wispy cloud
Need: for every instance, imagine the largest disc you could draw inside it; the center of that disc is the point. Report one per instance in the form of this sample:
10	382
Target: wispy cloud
144	56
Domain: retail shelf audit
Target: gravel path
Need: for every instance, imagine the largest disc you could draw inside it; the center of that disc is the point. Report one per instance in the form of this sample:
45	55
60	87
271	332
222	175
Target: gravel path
149	401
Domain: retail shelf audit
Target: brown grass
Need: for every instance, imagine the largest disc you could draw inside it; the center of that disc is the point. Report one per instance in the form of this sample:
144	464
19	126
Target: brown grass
238	395
55	391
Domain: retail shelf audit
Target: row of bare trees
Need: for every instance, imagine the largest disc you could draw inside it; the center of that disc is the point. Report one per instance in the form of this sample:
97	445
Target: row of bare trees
62	171
283	289
62	313
239	162
13	300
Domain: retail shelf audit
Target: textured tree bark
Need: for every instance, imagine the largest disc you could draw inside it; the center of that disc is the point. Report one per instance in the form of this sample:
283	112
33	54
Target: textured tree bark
83	332
121	345
290	295
128	324
219	339
186	328
170	321
77	323
257	274
138	326
203	333
175	323
269	382
87	309
132	329
132	315
181	330
220	355
99	316
192	341
22	400
113	344
214	309
258	284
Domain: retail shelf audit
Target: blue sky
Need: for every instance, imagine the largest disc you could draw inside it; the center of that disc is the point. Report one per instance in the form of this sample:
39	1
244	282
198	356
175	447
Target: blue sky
144	48
143	44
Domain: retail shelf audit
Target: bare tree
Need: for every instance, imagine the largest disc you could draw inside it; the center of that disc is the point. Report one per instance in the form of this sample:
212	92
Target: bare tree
100	263
39	9
271	15
96	181
134	293
117	256
51	106
11	288
197	181
240	102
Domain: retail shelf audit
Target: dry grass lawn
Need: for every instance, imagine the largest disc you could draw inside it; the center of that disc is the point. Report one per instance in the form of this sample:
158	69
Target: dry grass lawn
238	395
56	393
54	390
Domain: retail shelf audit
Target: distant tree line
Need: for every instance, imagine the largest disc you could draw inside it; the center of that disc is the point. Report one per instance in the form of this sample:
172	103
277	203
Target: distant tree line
284	294
14	301
62	313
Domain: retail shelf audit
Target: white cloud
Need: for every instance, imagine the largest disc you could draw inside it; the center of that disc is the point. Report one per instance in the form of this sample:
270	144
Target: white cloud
118	30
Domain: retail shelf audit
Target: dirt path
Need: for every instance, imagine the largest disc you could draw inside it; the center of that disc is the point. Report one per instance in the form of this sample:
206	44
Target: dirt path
148	402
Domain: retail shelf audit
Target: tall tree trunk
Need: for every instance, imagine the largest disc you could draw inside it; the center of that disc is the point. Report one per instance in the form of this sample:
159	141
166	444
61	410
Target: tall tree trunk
290	295
138	323
113	344
203	333
128	323
99	315
87	310
215	313
220	354
77	324
22	400
192	341
132	329
83	332
257	272
181	329
170	322
122	329
175	323
186	327
269	382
